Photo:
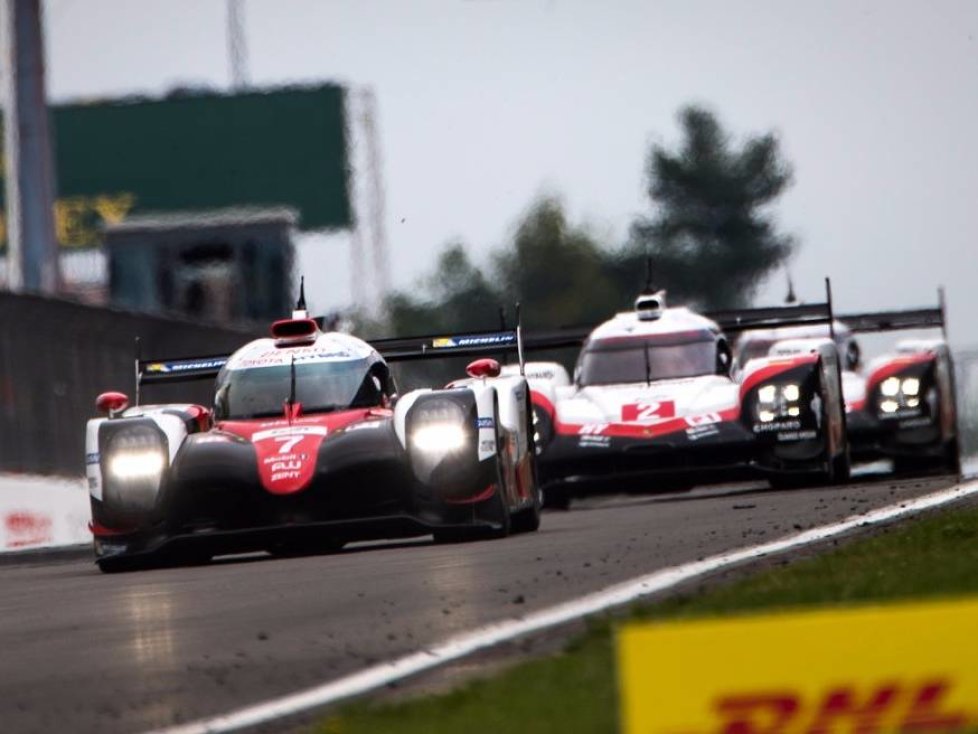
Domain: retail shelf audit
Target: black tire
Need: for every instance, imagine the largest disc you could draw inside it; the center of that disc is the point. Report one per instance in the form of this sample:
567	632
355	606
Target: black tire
495	507
952	457
528	520
500	515
556	497
124	564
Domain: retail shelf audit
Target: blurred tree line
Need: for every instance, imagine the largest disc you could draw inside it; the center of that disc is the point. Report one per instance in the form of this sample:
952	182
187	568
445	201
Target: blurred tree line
710	236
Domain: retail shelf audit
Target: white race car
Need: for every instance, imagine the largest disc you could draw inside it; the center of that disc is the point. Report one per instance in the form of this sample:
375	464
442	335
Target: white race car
901	405
654	399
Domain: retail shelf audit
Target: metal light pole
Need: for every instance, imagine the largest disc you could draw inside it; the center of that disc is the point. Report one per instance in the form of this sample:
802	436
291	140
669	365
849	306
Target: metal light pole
237	46
32	253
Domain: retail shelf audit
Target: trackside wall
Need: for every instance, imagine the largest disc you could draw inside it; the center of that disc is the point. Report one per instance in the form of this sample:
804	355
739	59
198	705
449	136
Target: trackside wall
56	356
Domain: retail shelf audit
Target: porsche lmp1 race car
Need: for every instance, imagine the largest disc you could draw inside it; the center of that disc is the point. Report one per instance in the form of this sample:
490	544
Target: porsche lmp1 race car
307	447
901	405
654	399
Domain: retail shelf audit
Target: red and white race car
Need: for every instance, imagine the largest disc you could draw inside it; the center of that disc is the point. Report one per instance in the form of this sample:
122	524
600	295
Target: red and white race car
307	447
901	405
654	399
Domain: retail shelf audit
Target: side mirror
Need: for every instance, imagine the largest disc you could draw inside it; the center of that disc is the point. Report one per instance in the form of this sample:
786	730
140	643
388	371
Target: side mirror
111	403
853	357
483	368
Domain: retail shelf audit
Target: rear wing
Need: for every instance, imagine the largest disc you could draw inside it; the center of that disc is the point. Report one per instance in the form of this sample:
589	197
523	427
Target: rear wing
902	320
734	321
442	346
775	317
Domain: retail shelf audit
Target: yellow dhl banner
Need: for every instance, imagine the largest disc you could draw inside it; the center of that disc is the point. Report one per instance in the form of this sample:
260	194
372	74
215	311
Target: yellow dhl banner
909	668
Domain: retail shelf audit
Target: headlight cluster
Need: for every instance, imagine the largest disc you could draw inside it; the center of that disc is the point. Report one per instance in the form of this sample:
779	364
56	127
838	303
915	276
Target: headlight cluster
778	402
136	454
438	426
898	393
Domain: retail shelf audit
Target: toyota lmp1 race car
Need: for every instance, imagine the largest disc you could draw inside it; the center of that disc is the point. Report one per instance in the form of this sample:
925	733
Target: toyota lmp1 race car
307	446
654	399
901	405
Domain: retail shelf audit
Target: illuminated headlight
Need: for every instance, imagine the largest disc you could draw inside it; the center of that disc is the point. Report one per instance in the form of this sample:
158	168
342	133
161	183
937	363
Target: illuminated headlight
778	401
890	387
136	454
144	464
900	394
442	437
438	426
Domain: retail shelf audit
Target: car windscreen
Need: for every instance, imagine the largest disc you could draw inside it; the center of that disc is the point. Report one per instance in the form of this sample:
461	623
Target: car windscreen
638	360
260	392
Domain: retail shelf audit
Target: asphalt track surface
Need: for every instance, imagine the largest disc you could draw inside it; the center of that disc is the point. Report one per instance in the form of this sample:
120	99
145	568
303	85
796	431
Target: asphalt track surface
86	652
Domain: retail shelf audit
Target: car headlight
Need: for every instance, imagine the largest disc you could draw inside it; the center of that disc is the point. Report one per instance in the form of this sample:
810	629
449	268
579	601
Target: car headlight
778	401
127	465
900	396
136	454
444	437
438	426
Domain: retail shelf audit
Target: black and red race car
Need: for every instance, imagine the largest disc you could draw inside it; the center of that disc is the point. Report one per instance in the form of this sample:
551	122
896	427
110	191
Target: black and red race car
307	446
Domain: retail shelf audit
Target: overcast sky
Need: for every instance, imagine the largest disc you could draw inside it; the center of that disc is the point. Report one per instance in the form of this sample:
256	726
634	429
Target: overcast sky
485	105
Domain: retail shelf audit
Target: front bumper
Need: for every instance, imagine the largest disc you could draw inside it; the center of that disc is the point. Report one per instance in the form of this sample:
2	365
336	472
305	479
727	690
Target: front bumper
721	451
872	438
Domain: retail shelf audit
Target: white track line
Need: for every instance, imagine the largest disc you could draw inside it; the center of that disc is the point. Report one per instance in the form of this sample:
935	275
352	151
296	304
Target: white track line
467	643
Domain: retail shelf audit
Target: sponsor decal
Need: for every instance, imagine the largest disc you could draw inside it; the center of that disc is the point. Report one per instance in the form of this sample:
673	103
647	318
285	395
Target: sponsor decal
648	411
909	668
289	432
592	429
26	528
487	422
302	355
703	420
777	426
901	415
487	446
594	442
479	340
797	435
363	426
695	433
92	457
915	422
201	364
540	374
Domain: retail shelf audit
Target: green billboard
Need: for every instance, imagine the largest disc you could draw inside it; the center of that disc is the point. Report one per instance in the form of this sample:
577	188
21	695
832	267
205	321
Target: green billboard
197	151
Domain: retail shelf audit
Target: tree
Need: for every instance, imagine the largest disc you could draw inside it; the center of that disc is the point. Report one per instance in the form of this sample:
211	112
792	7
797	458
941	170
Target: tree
711	240
459	298
558	273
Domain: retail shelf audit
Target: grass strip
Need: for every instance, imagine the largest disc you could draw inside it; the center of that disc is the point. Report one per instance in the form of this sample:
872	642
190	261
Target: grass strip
575	691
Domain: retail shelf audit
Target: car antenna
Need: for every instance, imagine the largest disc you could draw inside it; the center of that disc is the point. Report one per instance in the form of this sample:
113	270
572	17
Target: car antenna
791	299
648	290
300	311
648	363
291	402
